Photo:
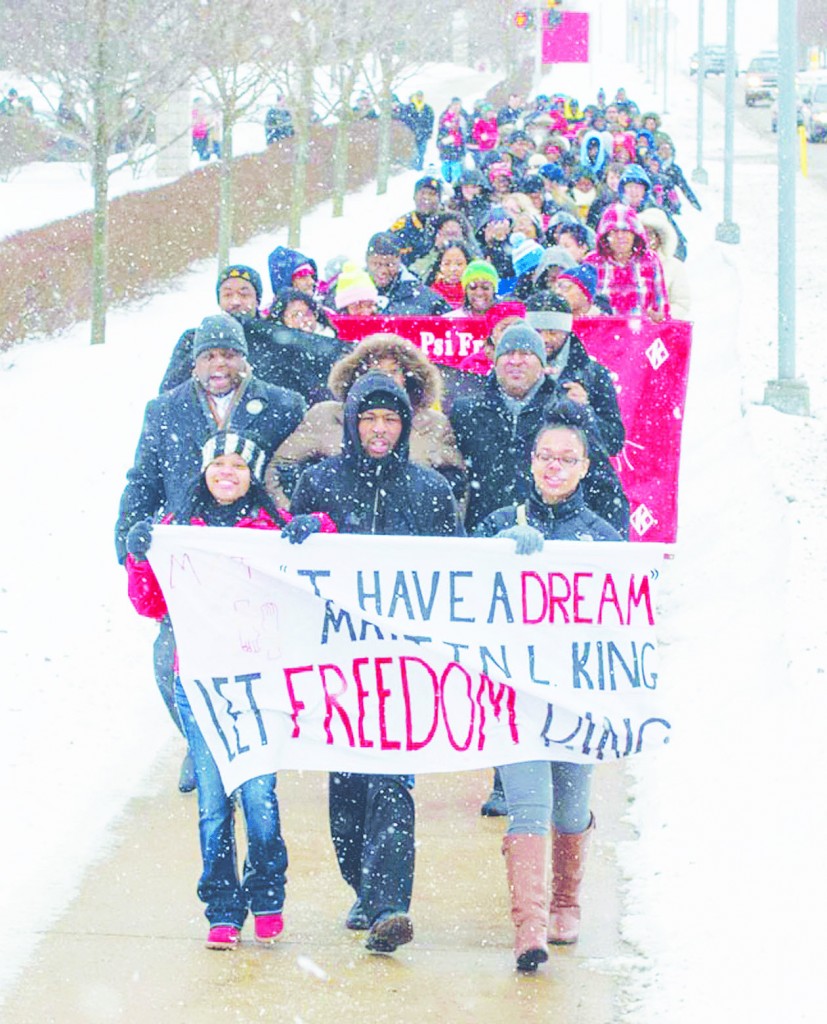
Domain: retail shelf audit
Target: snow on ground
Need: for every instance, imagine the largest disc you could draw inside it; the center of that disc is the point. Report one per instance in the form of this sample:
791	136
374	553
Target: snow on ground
724	881
44	191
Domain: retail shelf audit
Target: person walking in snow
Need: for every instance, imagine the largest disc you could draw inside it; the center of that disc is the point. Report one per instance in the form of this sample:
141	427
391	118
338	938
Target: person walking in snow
451	139
372	487
228	491
400	291
321	432
419	117
629	274
545	797
222	393
412	228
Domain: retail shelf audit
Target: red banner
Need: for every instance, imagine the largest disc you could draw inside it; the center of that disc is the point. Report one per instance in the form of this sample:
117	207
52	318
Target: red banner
566	41
650	365
445	340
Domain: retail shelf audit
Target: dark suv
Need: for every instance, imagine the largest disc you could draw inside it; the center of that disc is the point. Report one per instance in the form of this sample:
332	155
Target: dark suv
761	79
714	60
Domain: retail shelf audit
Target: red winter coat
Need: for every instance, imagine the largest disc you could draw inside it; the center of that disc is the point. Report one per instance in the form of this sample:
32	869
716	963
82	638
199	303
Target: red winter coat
486	133
634	287
142	585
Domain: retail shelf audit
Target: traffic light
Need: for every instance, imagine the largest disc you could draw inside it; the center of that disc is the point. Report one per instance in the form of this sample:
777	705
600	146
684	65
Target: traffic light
524	18
554	16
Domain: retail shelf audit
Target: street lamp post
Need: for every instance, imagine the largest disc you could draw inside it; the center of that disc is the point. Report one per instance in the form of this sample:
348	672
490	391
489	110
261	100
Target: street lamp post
788	393
727	230
699	174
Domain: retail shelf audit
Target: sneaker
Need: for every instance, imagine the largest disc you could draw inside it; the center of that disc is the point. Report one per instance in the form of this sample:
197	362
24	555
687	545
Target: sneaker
357	919
268	927
223	936
186	777
389	931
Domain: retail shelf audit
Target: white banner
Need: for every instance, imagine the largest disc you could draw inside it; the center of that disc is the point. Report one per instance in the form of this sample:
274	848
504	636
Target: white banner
412	654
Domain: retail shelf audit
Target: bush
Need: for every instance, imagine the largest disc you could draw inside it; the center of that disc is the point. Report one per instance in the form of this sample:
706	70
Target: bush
156	234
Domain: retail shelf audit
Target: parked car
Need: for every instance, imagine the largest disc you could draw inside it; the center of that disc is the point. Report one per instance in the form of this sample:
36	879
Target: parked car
802	85
714	60
761	79
814	110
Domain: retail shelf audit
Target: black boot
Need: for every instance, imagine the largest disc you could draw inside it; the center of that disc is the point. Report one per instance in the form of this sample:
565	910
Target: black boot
495	806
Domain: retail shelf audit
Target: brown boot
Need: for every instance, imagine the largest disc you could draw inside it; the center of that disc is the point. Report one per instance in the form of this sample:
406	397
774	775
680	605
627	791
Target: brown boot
526	864
568	860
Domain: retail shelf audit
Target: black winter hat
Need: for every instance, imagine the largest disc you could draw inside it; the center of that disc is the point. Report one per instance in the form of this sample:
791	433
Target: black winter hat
380	399
383	243
219	331
429	181
244	272
471	176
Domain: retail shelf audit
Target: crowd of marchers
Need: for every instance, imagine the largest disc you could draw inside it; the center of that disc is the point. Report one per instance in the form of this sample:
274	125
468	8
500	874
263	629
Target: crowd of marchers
539	214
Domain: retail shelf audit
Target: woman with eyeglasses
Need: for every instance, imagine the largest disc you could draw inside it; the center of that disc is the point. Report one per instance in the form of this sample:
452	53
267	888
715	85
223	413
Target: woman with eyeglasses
548	797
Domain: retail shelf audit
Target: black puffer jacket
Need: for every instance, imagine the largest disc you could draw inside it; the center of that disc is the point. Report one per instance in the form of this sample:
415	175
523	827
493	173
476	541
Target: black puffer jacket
386	496
572	519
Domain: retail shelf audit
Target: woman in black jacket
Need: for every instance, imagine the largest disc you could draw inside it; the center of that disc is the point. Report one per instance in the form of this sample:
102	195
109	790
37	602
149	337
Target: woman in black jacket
548	796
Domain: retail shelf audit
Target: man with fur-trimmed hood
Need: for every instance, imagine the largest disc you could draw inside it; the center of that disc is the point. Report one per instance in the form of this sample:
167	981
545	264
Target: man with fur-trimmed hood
372	487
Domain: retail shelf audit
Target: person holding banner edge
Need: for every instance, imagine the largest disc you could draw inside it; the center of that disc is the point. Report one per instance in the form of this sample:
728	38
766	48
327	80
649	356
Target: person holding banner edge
227	492
373	488
543	796
222	392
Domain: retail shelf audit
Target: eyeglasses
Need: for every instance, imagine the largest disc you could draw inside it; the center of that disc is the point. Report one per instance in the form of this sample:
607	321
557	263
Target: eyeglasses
565	461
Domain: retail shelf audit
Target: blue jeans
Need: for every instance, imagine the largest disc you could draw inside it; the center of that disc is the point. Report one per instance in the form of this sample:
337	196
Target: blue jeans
419	159
372	827
261	887
164	661
539	793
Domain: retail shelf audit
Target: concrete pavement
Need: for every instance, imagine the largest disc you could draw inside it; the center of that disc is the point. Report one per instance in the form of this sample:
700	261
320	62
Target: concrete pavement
130	947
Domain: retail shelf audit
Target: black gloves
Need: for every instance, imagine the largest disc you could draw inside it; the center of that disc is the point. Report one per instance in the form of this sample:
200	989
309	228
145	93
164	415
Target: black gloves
299	529
139	539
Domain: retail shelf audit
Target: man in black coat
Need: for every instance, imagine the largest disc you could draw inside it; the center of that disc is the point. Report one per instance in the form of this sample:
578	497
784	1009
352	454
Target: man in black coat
221	393
419	117
401	293
496	428
411	230
372	487
278	355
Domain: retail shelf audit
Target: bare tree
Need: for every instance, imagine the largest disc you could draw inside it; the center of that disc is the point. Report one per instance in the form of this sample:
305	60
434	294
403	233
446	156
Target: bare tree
404	38
105	59
301	35
237	49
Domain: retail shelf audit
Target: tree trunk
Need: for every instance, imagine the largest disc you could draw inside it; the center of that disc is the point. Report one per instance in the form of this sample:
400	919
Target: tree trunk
383	167
341	149
301	155
225	195
100	185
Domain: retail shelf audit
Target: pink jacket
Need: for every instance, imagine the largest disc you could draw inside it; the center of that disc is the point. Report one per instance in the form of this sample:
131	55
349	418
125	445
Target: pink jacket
634	287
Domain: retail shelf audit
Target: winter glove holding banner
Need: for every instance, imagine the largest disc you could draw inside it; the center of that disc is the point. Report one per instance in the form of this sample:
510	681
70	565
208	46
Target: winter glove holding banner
527	540
300	528
139	539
